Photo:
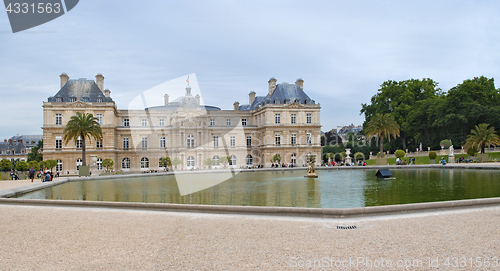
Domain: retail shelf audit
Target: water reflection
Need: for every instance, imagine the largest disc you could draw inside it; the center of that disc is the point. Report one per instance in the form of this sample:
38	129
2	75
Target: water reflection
333	188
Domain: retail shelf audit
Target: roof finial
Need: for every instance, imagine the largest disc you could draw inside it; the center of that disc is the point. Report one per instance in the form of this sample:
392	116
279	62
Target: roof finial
187	80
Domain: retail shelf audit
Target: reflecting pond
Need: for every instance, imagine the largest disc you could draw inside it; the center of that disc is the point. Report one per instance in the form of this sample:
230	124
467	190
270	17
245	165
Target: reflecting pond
333	188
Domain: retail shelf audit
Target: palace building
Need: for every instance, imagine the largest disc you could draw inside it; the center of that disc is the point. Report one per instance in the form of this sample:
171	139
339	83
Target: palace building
286	121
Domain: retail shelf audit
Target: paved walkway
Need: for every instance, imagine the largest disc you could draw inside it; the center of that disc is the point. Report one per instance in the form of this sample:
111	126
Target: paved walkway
59	238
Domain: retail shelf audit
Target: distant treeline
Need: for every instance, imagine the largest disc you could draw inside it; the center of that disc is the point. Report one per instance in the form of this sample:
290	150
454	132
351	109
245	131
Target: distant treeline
428	115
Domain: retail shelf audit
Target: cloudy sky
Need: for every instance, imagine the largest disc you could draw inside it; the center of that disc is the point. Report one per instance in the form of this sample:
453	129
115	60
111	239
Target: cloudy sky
343	50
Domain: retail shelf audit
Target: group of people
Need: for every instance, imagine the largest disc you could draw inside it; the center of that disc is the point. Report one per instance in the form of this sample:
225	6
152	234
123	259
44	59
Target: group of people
13	175
411	161
463	160
281	165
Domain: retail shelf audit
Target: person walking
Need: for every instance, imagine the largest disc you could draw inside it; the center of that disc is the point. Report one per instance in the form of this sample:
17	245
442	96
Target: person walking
32	174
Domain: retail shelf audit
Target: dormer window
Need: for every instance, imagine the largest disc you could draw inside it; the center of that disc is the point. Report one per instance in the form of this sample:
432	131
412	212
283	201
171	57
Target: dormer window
86	99
277	101
72	99
99	99
59	100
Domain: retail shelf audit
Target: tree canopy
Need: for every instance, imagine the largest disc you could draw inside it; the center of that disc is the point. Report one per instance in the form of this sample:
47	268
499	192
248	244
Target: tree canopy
427	115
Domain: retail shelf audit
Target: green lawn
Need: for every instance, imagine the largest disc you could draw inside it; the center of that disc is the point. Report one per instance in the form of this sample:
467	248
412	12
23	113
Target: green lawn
425	159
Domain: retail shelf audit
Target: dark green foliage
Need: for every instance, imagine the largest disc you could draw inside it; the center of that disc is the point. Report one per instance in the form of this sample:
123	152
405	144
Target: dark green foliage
5	164
426	115
50	164
22	166
472	151
432	155
399	154
34	164
445	143
36	152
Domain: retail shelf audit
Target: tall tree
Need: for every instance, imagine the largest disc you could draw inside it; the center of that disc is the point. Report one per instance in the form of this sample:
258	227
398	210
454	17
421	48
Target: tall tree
36	152
81	126
468	104
482	136
382	125
398	99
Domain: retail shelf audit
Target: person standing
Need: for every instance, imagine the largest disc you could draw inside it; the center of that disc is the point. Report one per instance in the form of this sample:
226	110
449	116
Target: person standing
32	174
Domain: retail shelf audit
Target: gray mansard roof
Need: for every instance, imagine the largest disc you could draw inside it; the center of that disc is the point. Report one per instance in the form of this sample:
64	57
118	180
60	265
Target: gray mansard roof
283	94
82	90
17	147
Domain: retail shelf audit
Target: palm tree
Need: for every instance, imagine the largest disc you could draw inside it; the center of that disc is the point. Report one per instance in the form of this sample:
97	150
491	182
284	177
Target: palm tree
382	125
482	136
79	127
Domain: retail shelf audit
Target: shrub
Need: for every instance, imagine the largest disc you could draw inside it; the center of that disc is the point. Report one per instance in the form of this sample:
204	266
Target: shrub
108	163
432	155
22	166
34	164
5	164
359	156
472	151
378	155
446	143
400	154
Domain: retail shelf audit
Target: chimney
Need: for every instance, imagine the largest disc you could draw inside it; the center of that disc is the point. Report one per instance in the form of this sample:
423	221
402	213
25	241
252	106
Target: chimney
272	85
99	80
107	93
236	106
5	141
197	99
251	97
64	79
300	83
20	141
166	98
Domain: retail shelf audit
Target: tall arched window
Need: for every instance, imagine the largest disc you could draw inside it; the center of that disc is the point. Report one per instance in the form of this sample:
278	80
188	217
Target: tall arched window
190	141
79	162
232	160
216	160
190	161
249	160
125	163
144	162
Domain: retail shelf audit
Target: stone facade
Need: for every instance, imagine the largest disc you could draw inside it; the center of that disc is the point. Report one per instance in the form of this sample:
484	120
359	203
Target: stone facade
285	121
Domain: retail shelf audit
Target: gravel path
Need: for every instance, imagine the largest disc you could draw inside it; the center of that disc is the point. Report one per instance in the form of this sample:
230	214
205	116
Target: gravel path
60	238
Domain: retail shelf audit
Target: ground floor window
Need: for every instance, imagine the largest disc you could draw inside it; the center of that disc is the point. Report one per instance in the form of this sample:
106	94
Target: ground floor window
59	166
232	160
79	162
125	163
190	161
249	160
99	164
144	162
294	159
216	160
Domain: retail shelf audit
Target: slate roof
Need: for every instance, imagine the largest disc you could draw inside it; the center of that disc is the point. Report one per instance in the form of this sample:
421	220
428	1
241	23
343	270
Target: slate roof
7	147
82	90
28	140
283	94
